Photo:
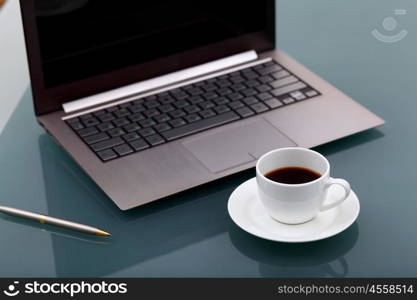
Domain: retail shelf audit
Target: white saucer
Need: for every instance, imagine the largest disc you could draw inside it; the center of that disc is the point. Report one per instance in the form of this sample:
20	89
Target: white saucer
248	213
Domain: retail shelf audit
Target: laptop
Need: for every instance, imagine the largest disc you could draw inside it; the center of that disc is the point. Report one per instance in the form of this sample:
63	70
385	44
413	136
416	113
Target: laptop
153	98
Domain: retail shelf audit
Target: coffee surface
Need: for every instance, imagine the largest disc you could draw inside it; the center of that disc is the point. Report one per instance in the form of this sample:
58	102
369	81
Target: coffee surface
292	175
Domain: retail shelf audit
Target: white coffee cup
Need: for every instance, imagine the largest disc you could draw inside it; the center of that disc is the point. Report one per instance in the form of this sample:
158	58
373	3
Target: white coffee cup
296	203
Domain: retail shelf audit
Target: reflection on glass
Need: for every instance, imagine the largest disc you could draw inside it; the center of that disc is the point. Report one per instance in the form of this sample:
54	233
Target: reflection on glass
316	259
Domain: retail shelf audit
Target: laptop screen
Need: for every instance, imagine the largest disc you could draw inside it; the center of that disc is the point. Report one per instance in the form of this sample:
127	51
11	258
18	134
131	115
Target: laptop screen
77	48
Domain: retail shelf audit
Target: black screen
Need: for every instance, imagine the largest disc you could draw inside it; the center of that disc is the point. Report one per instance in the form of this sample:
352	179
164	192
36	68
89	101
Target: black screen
79	40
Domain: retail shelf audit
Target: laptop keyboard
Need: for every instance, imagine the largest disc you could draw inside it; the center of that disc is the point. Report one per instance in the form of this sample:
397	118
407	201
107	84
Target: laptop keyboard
154	120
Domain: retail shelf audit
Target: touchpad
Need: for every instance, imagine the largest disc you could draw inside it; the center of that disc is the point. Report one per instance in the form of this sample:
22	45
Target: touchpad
223	149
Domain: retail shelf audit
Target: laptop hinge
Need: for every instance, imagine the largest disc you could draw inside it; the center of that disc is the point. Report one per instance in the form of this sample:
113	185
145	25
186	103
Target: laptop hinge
157	82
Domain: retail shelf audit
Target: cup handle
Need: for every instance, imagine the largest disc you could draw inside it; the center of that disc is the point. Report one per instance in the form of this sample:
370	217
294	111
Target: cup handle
344	184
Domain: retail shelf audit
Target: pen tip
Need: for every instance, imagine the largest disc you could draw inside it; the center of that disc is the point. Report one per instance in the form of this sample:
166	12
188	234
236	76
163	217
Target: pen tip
102	233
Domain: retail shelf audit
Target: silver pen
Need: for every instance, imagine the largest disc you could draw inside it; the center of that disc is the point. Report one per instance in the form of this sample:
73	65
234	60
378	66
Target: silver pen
52	221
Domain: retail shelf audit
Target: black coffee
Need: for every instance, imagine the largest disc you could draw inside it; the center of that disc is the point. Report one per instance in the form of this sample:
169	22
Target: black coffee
292	175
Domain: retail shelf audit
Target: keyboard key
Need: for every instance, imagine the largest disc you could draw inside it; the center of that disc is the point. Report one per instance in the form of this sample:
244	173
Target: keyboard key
178	122
221	100
192	109
107	155
249	74
146	131
115	132
298	95
91	122
106	117
224	91
263	88
235	96
87	131
250	100
162	127
245	112
195	91
123	112
137	108
280	74
264	96
105	126
252	83
221	109
269	69
155	139
200	125
147	123
192	118
209	87
209	95
166	108
152	104
166	99
259	107
195	99
223	83
76	125
249	92
289	88
265	79
123	150
121	122
131	136
162	118
180	96
273	103
288	100
136	117
177	113
237	79
107	144
284	81
131	127
236	104
151	112
310	92
181	103
237	87
96	138
206	104
207	113
139	145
